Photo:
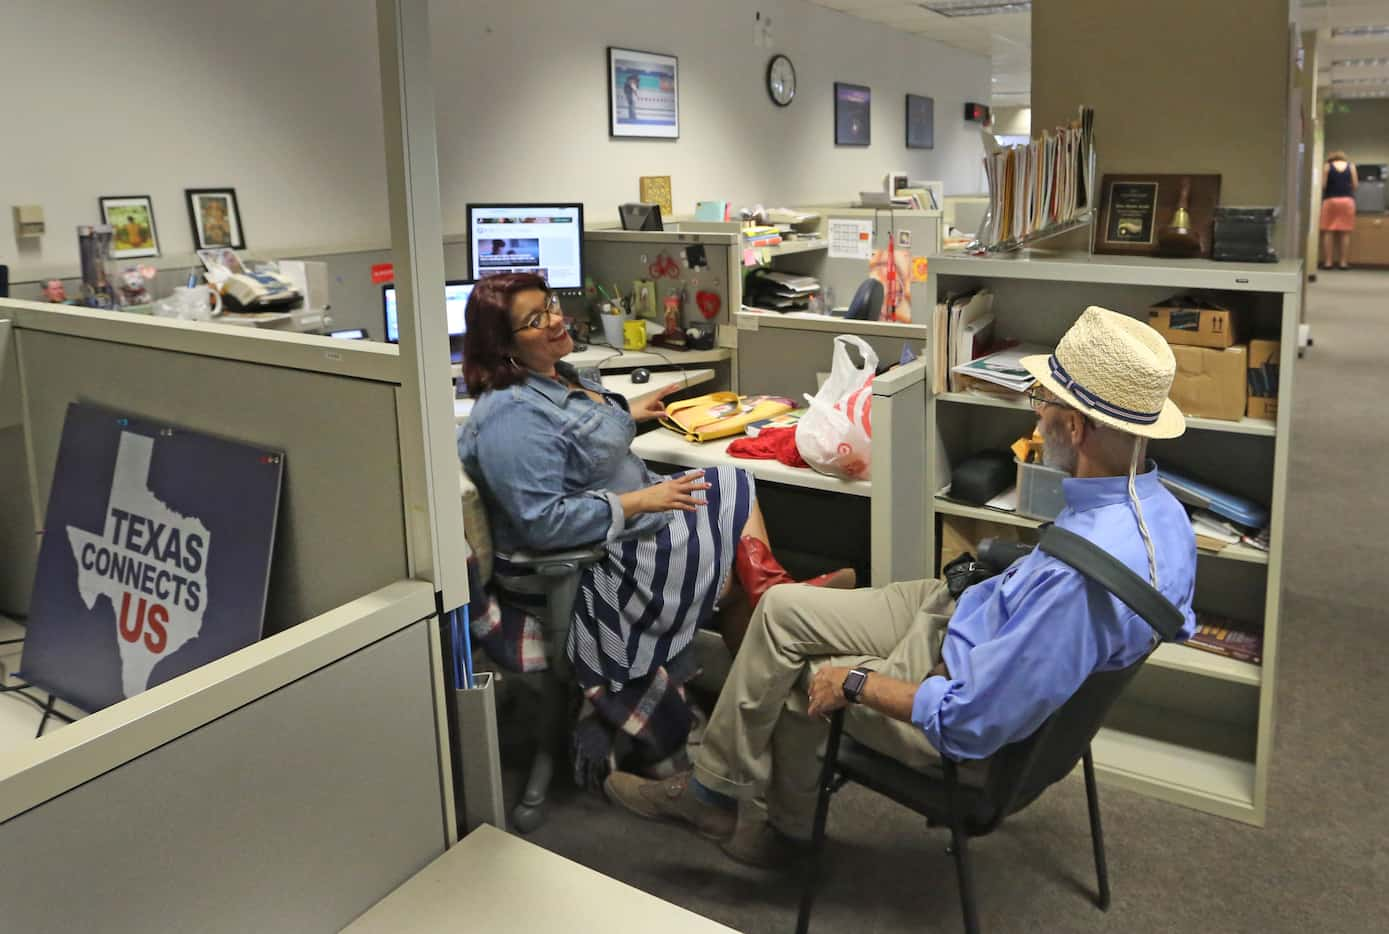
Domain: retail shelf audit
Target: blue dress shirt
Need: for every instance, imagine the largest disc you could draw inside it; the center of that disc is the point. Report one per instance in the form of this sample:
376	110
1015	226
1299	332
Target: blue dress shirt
551	463
1021	643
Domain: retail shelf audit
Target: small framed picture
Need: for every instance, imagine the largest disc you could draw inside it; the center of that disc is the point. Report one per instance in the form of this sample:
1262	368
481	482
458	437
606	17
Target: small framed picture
215	217
643	94
852	114
133	234
921	122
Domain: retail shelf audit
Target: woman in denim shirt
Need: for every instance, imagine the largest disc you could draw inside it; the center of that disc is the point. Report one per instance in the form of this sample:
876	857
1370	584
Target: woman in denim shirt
551	453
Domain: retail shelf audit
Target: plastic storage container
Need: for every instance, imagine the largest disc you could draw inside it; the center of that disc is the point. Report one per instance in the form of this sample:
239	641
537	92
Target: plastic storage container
1039	491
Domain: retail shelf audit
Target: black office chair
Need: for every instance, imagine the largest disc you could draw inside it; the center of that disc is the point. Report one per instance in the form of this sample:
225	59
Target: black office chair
555	576
1018	773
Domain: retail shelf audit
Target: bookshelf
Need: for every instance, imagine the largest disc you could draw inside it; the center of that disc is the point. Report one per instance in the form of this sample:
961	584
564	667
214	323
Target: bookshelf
1194	728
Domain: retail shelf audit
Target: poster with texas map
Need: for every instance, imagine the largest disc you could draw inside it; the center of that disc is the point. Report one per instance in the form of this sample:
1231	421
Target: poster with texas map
155	557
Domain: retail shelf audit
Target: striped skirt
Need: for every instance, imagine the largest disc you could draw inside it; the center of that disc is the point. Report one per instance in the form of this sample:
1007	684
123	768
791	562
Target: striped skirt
639	607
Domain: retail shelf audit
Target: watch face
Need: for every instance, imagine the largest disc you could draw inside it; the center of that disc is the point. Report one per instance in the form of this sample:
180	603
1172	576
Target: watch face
781	80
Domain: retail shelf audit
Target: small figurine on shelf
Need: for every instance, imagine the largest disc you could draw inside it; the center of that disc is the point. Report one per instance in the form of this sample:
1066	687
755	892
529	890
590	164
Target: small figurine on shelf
131	287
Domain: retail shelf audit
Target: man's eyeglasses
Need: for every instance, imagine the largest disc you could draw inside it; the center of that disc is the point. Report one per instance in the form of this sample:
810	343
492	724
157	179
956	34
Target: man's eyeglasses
1039	400
541	319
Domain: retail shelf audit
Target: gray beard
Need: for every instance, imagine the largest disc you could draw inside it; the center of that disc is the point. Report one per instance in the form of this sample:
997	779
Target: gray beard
1058	453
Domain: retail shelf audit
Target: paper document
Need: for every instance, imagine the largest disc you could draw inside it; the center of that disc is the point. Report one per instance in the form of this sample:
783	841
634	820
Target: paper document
850	239
1004	368
1007	500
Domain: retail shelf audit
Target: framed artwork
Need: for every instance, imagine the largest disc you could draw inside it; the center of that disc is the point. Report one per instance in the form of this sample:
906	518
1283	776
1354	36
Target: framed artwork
1135	210
215	217
133	234
643	94
852	114
921	122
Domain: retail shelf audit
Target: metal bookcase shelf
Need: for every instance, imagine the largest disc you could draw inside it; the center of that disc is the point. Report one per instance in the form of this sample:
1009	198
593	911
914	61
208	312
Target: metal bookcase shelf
1199	730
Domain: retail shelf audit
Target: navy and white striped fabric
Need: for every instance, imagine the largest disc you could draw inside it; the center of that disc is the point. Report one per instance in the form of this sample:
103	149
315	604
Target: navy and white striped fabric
640	606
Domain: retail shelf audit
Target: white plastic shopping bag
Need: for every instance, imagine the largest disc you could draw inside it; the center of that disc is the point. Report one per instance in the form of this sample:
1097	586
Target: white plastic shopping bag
835	435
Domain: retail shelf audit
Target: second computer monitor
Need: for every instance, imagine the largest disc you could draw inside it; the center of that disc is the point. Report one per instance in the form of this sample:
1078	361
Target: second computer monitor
546	239
456	292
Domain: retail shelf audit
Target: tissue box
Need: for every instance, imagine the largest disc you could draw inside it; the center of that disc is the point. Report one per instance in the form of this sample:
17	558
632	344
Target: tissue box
1210	383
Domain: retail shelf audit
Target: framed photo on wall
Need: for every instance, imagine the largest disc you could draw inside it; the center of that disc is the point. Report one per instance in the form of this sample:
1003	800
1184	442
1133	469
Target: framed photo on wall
643	94
133	234
853	112
215	217
921	122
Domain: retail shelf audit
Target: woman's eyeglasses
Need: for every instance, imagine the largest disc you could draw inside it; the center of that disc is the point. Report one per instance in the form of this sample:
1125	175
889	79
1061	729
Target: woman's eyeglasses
541	319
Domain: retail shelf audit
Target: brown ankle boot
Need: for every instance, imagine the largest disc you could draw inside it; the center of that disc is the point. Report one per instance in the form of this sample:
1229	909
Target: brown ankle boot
758	571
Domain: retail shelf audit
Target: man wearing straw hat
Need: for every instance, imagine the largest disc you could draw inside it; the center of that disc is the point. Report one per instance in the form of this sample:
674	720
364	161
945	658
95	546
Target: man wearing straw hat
1014	648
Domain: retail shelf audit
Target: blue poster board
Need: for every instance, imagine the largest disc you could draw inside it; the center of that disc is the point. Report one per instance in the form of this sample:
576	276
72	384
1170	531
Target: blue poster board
155	556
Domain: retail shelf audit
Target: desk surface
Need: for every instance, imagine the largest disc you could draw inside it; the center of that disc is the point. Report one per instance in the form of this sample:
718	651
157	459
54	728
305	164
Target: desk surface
606	358
494	882
669	448
623	386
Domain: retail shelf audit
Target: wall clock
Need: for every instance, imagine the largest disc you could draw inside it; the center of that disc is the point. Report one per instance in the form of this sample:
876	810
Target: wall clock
781	80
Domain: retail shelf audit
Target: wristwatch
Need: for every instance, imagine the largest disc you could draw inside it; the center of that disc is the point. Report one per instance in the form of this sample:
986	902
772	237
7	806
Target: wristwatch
853	684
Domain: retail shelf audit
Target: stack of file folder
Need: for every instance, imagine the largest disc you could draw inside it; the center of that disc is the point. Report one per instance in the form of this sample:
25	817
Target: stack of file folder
780	291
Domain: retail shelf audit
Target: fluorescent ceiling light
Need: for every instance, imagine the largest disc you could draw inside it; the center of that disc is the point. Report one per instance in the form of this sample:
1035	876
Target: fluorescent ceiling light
1344	81
1361	63
1381	30
976	7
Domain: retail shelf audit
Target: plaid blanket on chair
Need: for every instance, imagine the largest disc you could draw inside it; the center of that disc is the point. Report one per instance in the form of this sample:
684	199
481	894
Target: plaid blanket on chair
642	727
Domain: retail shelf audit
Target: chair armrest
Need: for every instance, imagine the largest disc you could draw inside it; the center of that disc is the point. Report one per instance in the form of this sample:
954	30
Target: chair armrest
551	563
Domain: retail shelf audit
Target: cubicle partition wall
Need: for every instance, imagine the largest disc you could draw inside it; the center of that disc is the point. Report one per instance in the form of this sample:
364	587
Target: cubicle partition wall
287	786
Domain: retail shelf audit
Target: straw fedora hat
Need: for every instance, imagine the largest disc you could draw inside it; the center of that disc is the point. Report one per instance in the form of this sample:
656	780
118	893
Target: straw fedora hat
1116	370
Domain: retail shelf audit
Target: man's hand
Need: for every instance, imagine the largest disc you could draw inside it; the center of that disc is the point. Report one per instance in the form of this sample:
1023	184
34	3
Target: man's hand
827	691
653	405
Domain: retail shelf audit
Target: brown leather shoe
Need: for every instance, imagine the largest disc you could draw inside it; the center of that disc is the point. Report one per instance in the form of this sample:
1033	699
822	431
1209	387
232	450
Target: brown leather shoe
670	799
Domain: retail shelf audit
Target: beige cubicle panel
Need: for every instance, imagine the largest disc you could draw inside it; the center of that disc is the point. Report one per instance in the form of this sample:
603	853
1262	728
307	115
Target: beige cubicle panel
291	784
342	528
783	354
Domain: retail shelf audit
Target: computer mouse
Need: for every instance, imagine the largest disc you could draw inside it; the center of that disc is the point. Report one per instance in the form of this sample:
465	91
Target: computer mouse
641	375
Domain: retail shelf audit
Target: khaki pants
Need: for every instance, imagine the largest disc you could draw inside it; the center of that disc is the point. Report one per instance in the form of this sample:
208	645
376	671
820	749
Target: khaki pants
760	742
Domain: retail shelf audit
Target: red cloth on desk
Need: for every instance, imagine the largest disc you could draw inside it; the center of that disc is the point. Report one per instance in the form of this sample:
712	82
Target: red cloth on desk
771	444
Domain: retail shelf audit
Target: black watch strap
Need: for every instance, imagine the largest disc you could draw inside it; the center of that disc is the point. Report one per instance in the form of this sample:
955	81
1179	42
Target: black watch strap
853	684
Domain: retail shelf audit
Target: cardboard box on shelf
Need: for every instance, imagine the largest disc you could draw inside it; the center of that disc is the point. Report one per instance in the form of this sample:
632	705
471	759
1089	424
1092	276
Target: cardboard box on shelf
1263	379
1210	382
1194	322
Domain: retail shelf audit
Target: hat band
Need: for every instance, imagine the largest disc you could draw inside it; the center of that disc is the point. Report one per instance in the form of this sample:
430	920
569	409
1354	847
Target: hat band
1068	382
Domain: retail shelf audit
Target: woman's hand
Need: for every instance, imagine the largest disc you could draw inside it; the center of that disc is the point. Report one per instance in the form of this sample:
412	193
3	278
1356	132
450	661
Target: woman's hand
675	493
653	405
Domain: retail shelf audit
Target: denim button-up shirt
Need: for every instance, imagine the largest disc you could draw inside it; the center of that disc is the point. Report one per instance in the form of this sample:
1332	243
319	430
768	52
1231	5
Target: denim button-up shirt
551	464
1021	643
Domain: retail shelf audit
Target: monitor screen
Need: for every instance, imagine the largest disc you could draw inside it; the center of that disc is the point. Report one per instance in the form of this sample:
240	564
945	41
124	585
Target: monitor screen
456	292
547	239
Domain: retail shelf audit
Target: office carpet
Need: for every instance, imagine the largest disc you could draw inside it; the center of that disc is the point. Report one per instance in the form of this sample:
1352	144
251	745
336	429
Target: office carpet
1322	861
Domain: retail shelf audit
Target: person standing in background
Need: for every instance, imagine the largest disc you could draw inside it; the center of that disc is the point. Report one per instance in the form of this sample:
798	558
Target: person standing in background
1338	184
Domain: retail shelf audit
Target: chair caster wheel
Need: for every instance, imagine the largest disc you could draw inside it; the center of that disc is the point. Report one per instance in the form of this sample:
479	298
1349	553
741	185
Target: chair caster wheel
525	818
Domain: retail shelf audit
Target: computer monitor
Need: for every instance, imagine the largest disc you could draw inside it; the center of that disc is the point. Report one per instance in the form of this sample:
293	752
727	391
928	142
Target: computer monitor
456	292
640	215
547	239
